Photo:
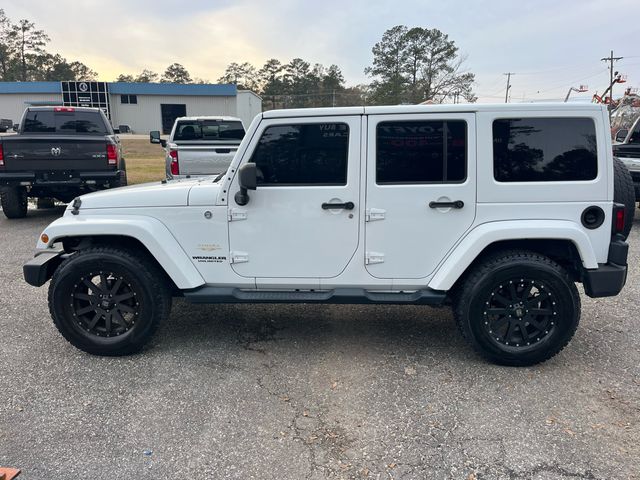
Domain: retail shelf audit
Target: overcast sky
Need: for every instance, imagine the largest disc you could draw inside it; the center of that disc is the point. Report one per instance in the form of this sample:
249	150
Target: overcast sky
550	44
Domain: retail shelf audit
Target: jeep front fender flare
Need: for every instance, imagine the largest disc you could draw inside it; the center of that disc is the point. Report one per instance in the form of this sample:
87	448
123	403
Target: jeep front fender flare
468	249
152	233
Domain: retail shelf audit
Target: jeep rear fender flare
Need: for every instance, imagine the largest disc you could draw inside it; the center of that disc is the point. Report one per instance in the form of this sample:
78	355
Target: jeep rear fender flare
152	233
472	245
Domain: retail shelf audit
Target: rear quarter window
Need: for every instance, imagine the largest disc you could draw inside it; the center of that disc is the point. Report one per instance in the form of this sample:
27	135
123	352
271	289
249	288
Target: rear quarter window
544	149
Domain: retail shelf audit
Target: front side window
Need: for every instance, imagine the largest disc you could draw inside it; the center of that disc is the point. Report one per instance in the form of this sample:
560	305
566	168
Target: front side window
303	154
544	149
433	151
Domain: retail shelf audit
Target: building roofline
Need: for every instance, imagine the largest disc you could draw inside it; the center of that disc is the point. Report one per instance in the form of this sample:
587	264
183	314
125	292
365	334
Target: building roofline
128	88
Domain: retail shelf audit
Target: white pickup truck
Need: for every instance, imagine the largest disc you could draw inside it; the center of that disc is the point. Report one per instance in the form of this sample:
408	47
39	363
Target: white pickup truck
200	146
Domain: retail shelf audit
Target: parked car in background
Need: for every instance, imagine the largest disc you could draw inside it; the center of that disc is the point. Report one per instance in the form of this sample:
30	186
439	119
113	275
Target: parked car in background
629	152
6	124
199	146
59	152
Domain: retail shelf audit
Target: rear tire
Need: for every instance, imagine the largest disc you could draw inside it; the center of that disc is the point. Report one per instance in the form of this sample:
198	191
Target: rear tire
108	301
624	192
14	202
517	308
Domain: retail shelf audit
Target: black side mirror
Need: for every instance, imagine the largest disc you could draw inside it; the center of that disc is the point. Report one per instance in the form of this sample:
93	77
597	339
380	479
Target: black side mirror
16	127
621	134
154	137
248	180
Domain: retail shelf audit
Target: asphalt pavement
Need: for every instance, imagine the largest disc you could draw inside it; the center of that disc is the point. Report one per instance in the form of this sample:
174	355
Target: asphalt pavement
312	392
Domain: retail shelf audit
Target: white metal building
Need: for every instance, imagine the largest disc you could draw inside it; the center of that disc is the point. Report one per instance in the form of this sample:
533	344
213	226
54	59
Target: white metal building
141	106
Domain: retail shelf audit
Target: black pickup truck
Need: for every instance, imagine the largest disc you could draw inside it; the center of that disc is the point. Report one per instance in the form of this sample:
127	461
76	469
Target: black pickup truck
629	152
58	152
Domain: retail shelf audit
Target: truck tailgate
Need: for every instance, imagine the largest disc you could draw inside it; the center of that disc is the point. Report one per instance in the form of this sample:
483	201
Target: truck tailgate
42	153
205	159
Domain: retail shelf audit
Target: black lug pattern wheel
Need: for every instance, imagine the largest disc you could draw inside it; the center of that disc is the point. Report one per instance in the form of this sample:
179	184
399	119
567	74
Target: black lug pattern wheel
517	307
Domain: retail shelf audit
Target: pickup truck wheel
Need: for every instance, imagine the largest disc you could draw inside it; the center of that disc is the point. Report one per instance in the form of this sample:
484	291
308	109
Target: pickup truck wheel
517	308
14	202
121	181
108	301
624	192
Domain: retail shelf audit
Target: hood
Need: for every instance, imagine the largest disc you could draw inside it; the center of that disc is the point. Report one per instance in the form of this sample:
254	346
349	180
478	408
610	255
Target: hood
170	194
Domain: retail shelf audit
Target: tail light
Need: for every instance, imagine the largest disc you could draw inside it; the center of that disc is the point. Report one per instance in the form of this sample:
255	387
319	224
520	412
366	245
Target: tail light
1	156
64	109
175	166
112	154
618	218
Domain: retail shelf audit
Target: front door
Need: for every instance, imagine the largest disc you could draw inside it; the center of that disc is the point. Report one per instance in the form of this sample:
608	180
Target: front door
302	220
421	191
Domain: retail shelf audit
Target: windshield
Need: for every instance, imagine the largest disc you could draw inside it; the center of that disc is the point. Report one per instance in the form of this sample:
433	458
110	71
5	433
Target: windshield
209	130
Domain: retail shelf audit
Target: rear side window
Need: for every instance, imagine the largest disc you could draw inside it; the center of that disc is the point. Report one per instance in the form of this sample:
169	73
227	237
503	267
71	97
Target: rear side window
47	121
544	149
305	154
209	130
421	152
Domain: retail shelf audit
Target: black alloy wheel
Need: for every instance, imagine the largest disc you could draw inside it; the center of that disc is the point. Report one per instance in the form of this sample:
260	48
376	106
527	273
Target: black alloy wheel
519	313
105	304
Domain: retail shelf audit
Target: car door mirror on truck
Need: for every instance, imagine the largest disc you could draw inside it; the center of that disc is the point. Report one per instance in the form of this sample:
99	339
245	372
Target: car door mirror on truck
154	137
621	135
247	179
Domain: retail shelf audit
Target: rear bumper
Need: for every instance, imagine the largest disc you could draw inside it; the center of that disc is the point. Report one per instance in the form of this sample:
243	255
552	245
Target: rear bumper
609	278
43	179
39	269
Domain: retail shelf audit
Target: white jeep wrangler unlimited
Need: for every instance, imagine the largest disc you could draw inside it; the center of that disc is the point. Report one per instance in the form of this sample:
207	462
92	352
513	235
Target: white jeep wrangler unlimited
496	209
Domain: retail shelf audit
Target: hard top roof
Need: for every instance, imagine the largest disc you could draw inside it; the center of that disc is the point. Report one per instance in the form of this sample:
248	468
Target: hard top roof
435	108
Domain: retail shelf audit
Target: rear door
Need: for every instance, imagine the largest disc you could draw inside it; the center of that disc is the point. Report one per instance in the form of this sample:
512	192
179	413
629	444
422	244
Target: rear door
421	191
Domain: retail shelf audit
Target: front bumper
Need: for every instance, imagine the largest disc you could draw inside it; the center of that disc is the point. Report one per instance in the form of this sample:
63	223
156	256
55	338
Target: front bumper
39	269
608	279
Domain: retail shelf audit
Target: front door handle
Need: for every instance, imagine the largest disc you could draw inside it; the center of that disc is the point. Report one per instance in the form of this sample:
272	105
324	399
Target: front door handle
454	204
338	206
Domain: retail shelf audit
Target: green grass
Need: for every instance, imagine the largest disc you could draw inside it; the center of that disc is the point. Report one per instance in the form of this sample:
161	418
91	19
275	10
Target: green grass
145	161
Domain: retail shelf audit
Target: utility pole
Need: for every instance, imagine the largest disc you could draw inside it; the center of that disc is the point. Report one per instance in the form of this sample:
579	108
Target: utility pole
611	59
506	95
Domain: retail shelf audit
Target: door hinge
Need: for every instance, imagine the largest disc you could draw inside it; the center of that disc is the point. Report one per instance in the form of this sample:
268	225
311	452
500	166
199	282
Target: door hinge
238	257
236	214
373	214
373	257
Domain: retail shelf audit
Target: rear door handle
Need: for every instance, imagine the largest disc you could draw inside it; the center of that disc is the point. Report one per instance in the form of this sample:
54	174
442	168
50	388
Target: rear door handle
454	204
338	206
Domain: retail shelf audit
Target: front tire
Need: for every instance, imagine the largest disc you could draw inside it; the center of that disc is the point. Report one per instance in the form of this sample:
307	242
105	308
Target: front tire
517	308
108	301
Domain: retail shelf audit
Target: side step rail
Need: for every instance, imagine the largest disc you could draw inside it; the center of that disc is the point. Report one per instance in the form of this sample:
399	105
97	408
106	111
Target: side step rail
209	294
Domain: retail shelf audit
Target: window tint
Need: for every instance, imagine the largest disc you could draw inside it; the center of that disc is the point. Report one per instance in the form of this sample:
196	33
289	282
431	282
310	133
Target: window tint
39	121
421	151
303	154
47	121
544	149
209	130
